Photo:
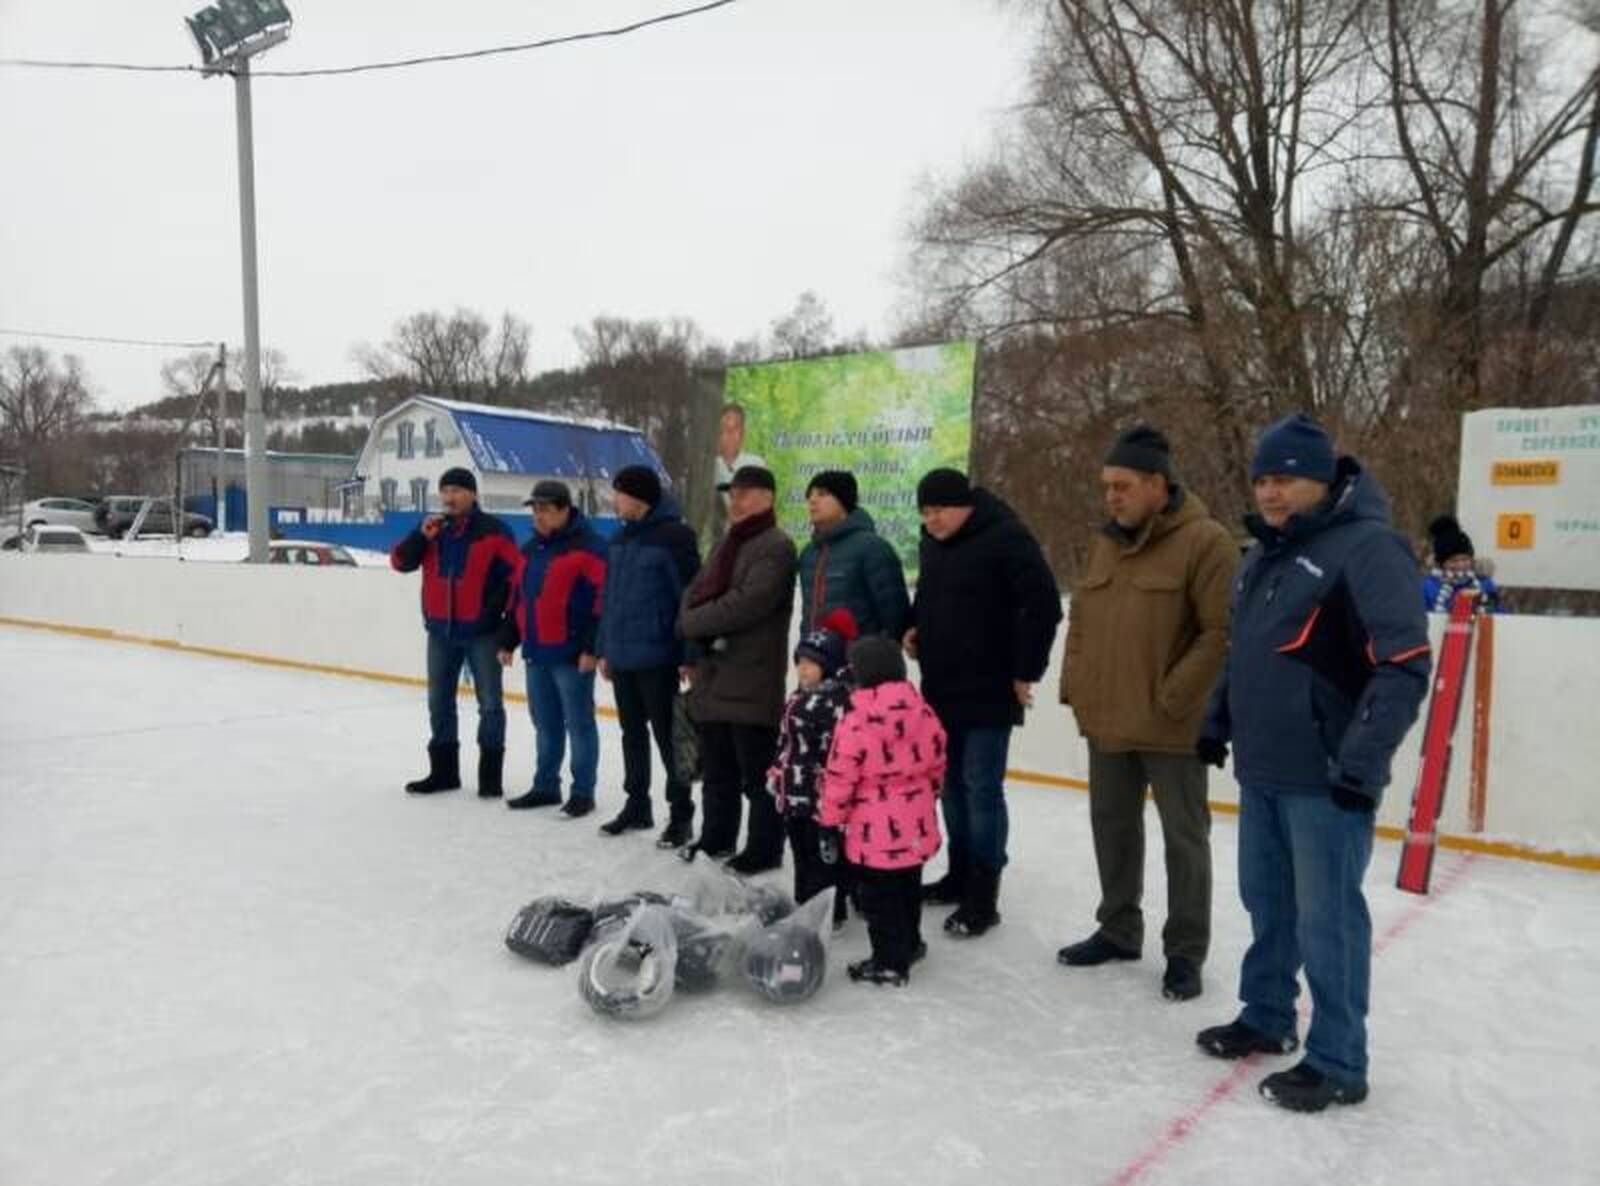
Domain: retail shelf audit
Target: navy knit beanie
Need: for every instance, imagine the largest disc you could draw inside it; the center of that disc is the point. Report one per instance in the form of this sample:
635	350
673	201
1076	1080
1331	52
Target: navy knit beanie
1294	447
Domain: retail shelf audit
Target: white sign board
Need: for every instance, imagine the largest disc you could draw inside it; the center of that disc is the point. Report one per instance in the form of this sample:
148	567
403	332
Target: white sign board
1530	494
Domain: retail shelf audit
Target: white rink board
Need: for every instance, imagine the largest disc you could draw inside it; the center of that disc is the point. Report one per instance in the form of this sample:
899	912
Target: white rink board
1543	752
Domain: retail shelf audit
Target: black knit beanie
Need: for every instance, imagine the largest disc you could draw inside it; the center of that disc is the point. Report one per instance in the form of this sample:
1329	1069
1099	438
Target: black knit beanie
877	660
1448	539
457	476
944	488
1142	448
638	481
838	482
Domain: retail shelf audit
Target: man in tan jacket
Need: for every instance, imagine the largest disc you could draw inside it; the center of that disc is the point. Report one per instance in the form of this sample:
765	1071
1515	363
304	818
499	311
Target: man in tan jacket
1146	639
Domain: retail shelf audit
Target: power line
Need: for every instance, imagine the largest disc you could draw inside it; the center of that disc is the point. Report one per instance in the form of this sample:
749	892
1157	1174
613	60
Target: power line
35	333
397	64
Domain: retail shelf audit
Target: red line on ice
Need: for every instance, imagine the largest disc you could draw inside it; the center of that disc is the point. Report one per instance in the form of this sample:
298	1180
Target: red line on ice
1182	1126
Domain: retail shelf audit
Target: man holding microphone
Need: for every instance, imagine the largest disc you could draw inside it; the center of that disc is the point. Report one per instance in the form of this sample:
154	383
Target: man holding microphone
467	558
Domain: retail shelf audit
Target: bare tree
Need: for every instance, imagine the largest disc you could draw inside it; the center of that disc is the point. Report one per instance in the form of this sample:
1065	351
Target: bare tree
43	408
456	354
1496	120
806	330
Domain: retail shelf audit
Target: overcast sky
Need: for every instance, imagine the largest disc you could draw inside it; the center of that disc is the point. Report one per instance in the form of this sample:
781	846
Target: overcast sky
715	167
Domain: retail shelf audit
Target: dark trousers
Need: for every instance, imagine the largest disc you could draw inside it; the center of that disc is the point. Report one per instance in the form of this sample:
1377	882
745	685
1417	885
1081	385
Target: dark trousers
644	707
1117	783
812	874
891	899
735	760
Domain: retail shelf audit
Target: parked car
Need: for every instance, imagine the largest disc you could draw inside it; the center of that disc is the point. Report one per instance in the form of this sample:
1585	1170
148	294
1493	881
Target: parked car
115	515
60	512
41	537
307	551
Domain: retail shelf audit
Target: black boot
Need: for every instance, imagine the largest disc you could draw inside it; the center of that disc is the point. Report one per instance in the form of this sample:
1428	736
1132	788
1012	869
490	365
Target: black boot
444	771
635	814
763	846
952	887
1236	1040
1094	951
1182	979
977	913
535	798
678	832
491	762
1306	1089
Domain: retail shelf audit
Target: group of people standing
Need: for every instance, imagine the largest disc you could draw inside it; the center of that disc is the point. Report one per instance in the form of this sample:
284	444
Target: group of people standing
1309	659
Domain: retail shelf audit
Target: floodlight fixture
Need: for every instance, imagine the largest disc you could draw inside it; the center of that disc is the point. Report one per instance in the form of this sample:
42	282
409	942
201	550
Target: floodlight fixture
230	31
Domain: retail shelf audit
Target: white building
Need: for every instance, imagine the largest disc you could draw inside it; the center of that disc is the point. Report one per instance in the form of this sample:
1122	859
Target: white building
507	450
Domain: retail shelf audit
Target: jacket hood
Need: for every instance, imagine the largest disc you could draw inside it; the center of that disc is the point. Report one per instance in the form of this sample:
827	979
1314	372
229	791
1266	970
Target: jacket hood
1354	495
1182	507
856	521
987	510
663	512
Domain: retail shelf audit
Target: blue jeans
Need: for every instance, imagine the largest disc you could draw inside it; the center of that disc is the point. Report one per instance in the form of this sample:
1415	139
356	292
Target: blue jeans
561	703
1301	860
974	796
445	659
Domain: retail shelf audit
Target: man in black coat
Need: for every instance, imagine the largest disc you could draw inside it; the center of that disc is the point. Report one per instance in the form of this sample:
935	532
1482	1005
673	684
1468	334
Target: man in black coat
983	622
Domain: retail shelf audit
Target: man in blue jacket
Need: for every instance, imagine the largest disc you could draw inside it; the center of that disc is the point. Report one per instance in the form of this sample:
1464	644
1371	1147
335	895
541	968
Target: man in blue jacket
1326	668
555	610
847	564
650	563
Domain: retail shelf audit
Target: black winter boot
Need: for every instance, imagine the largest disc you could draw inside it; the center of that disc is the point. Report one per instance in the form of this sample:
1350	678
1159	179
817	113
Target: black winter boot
1236	1039
635	814
1306	1089
1094	951
444	771
952	887
977	913
678	832
491	764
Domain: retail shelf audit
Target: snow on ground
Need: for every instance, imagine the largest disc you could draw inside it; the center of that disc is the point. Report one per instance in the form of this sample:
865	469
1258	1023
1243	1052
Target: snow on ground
232	951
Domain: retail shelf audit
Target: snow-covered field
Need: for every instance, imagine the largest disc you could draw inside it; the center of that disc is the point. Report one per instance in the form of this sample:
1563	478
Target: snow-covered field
233	951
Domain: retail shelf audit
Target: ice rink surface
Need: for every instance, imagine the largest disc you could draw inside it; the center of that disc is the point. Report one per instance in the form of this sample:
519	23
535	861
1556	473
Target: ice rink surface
233	951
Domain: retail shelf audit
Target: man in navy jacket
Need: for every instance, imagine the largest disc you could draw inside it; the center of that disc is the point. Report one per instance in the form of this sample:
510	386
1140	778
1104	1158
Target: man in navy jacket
1327	665
467	558
554	614
650	563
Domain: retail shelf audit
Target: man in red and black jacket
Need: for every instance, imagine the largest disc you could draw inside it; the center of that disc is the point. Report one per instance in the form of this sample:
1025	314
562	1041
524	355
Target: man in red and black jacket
555	613
467	559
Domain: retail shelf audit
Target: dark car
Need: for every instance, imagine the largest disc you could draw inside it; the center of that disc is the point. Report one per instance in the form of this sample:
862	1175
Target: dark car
115	515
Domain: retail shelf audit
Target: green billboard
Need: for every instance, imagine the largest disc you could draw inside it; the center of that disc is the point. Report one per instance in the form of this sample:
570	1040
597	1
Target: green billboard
888	417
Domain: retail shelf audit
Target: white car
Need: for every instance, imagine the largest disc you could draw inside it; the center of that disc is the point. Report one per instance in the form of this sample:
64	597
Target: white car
41	537
59	512
307	551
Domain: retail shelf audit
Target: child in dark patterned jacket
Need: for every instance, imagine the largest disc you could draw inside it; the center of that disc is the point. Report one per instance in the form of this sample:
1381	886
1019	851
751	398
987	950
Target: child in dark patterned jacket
805	735
881	788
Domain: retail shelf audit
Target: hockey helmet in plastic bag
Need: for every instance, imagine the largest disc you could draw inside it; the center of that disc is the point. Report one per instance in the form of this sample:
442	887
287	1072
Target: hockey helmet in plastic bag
629	972
551	930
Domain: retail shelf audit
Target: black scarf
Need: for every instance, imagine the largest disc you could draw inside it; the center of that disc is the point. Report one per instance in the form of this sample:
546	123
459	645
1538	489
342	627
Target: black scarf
715	578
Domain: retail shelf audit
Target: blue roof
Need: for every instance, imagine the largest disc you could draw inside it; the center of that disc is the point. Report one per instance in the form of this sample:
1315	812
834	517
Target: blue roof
513	443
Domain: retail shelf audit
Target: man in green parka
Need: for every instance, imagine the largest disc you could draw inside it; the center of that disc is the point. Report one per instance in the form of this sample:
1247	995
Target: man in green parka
847	564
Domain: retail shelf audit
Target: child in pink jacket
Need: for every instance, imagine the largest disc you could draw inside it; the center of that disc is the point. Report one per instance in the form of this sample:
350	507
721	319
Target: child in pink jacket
881	789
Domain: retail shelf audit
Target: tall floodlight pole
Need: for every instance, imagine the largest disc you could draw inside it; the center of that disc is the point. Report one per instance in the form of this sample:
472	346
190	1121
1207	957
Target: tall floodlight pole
229	34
